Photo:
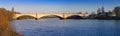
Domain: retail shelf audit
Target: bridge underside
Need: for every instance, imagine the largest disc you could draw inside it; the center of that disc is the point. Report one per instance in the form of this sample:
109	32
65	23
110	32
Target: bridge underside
25	17
74	17
51	16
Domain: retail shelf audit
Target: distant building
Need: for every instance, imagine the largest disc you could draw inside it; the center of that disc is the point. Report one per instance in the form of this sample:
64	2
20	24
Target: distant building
113	14
117	11
12	9
98	10
102	9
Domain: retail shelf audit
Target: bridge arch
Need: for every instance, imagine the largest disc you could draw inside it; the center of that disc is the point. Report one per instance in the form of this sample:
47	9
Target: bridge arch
74	17
25	17
51	16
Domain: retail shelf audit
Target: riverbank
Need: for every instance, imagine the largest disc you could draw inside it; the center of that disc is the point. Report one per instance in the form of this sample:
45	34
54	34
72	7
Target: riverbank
5	28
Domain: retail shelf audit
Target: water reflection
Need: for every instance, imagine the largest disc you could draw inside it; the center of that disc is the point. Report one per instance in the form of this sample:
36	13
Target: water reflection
56	27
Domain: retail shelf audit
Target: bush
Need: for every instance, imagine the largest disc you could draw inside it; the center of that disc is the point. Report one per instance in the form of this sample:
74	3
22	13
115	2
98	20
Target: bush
5	29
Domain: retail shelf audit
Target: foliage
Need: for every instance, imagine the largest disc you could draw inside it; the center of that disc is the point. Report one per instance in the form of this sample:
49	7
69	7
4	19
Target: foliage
5	29
7	13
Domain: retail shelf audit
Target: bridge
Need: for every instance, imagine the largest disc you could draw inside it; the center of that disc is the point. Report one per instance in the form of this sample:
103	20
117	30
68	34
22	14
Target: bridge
59	15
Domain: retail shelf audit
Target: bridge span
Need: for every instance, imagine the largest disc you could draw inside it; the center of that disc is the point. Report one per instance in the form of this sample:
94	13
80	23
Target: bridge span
60	15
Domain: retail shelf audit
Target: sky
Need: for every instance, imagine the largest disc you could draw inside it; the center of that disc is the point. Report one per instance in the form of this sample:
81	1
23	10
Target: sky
58	6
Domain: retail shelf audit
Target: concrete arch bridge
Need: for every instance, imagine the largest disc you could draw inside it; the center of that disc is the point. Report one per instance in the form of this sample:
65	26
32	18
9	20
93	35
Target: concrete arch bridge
60	15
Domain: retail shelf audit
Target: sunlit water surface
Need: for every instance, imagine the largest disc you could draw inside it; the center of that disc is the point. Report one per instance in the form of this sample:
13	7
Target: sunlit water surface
57	27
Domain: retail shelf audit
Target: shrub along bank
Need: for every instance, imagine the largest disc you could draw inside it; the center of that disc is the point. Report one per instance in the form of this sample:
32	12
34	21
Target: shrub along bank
5	28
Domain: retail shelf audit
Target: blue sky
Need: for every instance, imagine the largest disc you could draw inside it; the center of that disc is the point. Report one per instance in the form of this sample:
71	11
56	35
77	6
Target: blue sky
58	6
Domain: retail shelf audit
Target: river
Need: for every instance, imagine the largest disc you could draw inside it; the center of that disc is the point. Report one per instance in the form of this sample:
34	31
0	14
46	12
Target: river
68	27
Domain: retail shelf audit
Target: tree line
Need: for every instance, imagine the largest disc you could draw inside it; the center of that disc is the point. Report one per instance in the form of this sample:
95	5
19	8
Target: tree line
7	13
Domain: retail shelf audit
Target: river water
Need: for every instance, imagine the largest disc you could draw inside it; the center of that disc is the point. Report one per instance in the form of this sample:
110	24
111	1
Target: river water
69	27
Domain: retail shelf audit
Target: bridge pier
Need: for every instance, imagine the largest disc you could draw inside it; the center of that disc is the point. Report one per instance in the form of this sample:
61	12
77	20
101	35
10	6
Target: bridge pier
62	18
36	19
